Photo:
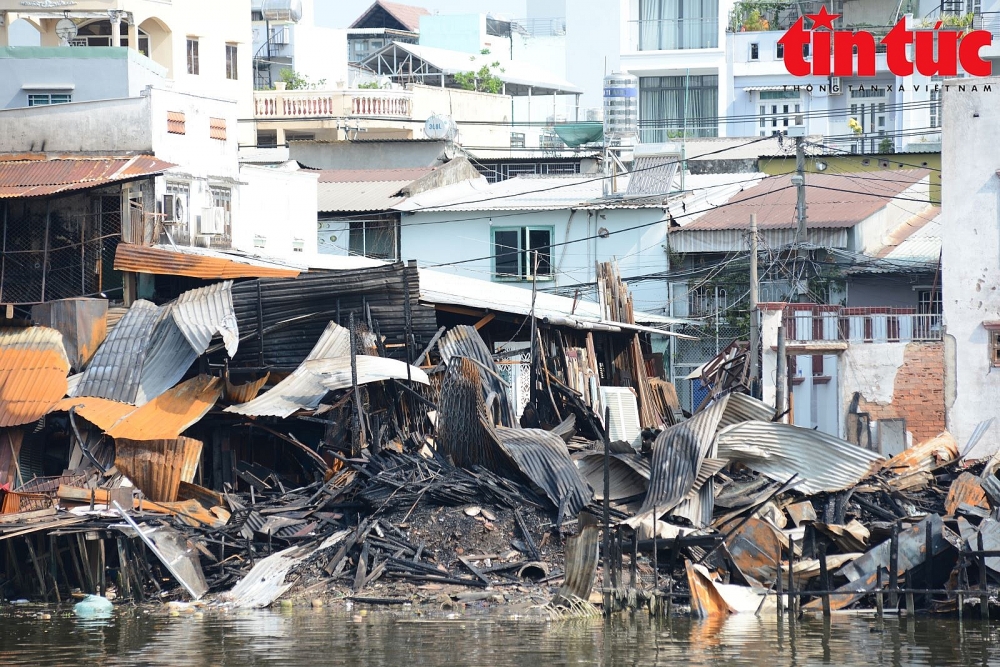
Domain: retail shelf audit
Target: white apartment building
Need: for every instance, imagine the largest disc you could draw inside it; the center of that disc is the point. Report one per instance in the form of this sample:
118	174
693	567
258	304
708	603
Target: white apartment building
714	68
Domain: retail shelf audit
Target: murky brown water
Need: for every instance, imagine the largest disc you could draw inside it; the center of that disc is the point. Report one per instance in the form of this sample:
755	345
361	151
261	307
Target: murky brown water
400	639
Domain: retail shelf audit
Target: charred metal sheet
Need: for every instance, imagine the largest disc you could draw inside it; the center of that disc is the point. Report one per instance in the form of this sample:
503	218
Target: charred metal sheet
912	549
821	461
243	393
924	457
990	530
542	457
698	506
170	413
744	408
677	456
464	341
293	312
465	435
303	389
581	561
711	599
801	512
336	373
168	358
157	467
966	489
33	369
755	548
114	371
165	261
81	321
629	475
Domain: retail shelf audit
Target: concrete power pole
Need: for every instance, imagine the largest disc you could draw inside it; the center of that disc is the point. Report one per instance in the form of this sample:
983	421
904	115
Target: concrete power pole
754	311
800	186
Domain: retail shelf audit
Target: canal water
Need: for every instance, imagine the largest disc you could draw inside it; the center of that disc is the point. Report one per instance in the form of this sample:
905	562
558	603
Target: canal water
306	636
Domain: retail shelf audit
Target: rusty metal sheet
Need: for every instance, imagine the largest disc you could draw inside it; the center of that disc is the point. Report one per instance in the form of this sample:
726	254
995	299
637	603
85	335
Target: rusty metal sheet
801	512
39	177
242	393
926	456
157	467
779	451
582	551
33	370
163	261
82	322
966	489
755	548
710	599
171	413
101	412
302	389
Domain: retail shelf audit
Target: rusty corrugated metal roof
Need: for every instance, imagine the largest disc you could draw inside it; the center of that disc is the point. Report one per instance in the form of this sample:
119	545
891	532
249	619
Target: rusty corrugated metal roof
774	199
169	414
242	393
148	259
101	412
157	467
36	178
33	369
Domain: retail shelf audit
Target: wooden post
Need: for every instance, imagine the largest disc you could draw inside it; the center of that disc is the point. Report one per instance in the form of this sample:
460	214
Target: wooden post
656	557
928	563
54	566
824	579
633	567
962	579
984	597
609	575
356	437
777	583
791	581
879	600
909	593
42	581
101	564
894	567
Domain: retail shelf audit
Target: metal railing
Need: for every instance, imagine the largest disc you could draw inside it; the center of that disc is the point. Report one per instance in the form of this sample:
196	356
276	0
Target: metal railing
987	21
338	103
674	34
811	322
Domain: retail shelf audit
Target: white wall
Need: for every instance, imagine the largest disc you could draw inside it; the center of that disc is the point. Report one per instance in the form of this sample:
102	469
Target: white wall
970	212
280	205
106	125
195	151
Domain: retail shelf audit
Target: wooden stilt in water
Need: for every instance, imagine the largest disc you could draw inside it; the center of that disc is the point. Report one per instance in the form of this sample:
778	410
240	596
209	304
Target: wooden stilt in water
879	599
42	581
894	567
824	579
984	596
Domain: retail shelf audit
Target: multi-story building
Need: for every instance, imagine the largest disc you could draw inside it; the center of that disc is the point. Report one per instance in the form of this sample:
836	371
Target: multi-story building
715	68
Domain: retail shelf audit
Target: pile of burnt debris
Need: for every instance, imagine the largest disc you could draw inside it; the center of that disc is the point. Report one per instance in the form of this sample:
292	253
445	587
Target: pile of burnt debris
202	448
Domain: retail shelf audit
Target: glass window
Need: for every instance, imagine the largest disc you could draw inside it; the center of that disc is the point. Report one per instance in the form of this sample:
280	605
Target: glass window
675	106
790	94
754	51
44	99
514	253
231	62
678	24
779	51
375	238
192	56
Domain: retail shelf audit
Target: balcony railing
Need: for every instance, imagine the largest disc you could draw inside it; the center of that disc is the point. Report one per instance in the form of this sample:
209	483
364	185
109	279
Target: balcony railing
335	103
811	323
988	21
674	34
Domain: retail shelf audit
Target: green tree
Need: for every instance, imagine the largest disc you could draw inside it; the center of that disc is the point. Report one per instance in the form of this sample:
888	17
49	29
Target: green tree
483	80
296	81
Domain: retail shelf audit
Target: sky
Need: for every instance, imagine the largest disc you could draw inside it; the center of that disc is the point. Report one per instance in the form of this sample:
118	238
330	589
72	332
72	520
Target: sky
341	13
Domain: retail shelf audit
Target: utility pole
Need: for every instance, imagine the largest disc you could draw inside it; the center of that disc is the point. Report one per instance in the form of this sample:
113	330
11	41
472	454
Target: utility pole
754	311
800	187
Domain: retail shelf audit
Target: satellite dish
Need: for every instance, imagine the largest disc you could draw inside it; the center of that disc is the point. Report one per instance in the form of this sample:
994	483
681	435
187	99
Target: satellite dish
439	126
66	30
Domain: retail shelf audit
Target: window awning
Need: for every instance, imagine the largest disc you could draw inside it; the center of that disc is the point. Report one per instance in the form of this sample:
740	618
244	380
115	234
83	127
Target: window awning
757	89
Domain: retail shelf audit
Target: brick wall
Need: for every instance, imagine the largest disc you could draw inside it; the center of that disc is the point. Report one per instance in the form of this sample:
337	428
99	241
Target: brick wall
918	393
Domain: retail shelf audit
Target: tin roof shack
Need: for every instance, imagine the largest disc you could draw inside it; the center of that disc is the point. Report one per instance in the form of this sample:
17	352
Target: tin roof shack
860	254
63	218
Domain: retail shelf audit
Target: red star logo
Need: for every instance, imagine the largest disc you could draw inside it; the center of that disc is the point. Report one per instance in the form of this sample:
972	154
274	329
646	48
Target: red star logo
823	19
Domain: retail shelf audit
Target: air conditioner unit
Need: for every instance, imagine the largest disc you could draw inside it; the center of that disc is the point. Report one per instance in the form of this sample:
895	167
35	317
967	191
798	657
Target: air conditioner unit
213	220
835	86
623	409
173	208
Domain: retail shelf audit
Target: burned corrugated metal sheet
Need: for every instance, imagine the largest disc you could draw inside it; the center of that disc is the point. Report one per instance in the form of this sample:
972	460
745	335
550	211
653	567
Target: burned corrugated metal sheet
168	357
821	461
543	458
465	435
33	369
202	313
81	321
170	413
464	341
113	373
243	393
677	456
157	467
743	408
149	259
293	312
925	456
628	475
336	373
966	490
581	561
39	177
303	389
